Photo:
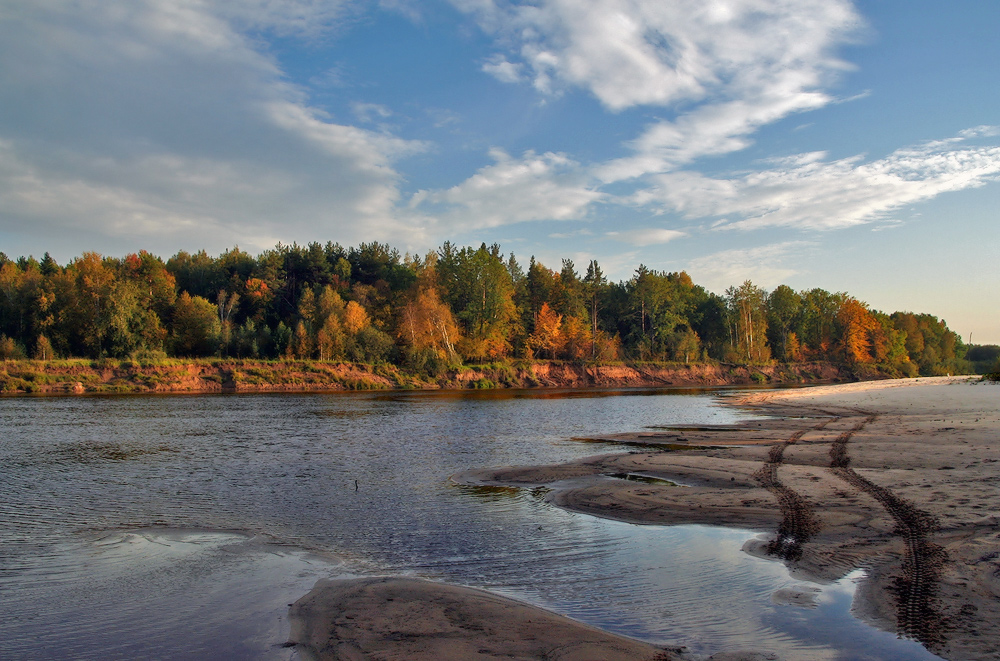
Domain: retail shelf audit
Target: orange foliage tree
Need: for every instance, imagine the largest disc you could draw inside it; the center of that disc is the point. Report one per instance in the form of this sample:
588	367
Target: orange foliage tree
856	326
548	334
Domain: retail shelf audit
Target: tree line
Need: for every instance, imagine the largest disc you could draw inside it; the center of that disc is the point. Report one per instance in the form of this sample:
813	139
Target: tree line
454	305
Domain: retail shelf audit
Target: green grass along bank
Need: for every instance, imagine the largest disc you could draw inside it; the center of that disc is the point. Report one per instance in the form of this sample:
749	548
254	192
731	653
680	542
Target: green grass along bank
222	375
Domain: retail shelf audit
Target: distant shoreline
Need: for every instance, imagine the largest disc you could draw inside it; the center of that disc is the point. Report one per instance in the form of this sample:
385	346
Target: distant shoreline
70	377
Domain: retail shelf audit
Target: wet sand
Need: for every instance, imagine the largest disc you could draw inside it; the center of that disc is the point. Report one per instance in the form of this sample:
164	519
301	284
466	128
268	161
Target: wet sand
899	477
410	619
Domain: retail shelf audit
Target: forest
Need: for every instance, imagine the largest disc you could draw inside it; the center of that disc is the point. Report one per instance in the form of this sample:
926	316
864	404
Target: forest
453	306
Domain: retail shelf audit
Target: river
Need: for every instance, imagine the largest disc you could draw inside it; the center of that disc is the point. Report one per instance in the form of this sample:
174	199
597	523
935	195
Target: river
182	526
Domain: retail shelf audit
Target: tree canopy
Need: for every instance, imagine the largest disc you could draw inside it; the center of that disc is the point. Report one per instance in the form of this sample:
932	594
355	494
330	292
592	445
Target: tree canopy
454	305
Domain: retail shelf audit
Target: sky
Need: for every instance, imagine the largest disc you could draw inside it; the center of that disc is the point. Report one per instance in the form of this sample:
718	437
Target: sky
814	143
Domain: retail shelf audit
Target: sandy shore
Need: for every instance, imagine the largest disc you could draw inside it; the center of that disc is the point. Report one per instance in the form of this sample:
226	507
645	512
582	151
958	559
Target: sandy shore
900	477
414	620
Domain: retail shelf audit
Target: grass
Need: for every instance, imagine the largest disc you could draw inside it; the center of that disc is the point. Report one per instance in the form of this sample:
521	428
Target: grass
147	373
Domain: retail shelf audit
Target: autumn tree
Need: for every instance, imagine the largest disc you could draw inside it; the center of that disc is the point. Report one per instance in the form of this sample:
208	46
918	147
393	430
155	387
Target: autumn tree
540	282
329	317
355	318
426	324
43	348
547	335
856	326
687	346
479	288
577	342
157	287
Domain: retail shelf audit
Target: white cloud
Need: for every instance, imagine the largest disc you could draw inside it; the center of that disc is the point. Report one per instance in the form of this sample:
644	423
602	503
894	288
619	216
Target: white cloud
411	9
980	132
729	66
504	71
635	52
535	187
646	237
709	130
762	265
370	112
807	191
309	18
159	118
570	235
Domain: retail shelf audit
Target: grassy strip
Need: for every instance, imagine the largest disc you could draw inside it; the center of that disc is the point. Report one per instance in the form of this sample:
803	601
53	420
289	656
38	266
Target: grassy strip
220	374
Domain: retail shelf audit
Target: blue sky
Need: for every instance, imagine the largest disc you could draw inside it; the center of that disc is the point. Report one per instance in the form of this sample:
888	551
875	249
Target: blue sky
816	143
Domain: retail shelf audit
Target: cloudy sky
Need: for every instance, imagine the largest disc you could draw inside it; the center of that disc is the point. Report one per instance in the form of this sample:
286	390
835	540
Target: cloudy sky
816	143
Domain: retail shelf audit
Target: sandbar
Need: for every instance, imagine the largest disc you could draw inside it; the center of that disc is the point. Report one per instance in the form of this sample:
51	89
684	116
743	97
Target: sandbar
901	478
416	620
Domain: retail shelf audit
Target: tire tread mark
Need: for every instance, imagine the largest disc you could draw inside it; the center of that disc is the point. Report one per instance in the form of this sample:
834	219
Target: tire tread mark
917	615
798	522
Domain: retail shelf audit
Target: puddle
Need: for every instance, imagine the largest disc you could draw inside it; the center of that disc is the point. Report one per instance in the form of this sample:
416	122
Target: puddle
644	479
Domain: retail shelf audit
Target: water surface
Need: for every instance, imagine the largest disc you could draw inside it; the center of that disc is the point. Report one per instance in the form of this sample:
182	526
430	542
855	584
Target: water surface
181	526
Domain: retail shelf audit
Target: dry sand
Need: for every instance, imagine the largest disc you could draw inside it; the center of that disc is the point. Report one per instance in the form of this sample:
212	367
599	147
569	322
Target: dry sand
900	477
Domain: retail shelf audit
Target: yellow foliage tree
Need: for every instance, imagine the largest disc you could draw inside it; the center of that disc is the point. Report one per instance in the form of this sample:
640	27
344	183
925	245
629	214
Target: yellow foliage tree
793	348
330	339
355	318
548	332
427	323
577	340
301	345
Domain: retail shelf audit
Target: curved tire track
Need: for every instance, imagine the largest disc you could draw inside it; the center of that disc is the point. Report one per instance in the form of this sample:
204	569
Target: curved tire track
798	521
917	615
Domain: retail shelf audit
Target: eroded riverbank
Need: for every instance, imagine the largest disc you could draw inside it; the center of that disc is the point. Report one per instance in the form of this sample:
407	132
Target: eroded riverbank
62	377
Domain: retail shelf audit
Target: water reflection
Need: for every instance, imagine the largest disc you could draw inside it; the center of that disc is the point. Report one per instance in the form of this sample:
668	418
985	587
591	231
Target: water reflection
162	594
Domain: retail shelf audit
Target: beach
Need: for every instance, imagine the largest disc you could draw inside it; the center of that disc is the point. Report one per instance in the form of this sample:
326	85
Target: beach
896	477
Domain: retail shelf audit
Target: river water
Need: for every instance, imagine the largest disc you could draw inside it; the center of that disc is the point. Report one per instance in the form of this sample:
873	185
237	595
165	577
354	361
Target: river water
182	526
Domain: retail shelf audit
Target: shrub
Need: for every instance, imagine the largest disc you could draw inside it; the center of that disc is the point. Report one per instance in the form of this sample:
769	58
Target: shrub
372	346
9	349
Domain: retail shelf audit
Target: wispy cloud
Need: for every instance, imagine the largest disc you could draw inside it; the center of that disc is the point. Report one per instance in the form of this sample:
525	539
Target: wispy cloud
309	18
808	191
570	235
370	112
762	264
646	237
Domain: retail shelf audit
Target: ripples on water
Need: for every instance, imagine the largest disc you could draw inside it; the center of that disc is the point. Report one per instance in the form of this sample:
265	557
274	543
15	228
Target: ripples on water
113	512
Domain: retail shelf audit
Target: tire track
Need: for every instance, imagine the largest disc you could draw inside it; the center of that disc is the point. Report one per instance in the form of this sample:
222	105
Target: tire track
798	521
917	615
